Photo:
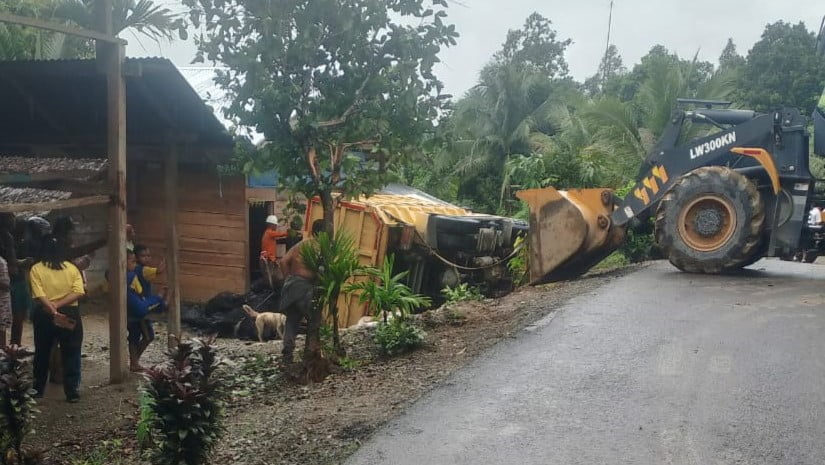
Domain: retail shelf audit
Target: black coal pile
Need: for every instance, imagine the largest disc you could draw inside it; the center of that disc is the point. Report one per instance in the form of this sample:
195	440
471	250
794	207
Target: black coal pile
223	314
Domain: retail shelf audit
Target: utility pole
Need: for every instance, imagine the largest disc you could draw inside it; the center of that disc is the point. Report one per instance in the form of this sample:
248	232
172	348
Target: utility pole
605	64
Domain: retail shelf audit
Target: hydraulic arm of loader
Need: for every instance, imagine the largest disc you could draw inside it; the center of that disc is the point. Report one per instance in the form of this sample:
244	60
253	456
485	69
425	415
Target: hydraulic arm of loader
572	230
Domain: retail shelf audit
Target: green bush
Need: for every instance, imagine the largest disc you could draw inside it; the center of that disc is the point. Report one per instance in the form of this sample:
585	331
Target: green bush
518	265
461	293
107	453
17	405
398	336
384	292
184	409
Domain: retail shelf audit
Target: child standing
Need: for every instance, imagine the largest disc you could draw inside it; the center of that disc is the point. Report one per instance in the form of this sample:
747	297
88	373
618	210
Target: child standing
139	305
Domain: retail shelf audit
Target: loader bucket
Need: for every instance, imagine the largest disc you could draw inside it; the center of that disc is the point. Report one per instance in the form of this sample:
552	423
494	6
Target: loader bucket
570	231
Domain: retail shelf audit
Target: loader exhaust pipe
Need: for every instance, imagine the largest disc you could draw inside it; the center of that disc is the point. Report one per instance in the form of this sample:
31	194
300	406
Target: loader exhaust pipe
570	231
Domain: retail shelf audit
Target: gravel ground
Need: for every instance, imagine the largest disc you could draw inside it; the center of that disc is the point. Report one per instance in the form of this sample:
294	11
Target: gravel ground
272	421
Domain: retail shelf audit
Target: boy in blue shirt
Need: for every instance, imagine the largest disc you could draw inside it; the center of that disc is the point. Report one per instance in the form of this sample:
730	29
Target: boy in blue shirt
140	304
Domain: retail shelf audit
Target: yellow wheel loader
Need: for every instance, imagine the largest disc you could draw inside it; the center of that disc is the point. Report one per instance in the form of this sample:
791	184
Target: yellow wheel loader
719	202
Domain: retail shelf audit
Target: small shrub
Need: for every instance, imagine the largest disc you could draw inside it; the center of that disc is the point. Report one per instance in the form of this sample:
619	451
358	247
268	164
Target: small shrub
253	376
186	405
146	421
398	336
461	293
327	340
348	363
17	404
385	294
518	265
614	260
107	453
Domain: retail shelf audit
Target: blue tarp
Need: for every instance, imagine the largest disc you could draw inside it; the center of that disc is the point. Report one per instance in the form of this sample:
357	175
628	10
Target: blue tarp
265	179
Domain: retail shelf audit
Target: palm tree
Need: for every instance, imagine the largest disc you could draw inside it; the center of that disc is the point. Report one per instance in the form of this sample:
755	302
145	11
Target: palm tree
333	261
143	17
22	43
497	119
385	292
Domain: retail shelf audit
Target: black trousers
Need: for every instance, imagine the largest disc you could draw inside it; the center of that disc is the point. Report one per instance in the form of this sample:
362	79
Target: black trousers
46	334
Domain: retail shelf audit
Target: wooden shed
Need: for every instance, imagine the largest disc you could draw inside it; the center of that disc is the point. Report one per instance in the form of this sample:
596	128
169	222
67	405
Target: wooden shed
57	110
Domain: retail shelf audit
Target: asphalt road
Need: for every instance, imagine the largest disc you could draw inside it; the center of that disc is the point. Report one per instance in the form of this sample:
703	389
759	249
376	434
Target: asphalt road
657	367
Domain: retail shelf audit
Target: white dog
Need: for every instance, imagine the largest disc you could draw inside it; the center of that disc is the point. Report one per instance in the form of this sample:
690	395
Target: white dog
275	321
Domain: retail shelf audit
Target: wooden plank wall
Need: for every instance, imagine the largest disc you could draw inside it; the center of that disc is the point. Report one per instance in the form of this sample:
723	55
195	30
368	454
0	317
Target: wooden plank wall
212	228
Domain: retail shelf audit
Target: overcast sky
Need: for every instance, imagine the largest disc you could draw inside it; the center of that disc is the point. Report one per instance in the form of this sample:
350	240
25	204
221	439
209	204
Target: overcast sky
683	26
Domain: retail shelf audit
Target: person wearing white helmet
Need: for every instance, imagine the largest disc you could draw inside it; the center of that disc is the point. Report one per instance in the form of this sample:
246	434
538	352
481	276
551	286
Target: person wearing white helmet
269	252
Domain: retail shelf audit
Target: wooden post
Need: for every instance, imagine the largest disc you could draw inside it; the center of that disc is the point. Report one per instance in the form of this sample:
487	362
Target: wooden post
110	56
172	249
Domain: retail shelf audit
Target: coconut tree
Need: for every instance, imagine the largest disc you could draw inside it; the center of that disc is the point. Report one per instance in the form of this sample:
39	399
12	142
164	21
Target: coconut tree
141	17
496	119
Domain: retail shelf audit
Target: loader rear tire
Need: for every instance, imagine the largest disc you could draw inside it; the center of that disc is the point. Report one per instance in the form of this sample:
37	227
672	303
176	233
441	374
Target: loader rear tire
710	221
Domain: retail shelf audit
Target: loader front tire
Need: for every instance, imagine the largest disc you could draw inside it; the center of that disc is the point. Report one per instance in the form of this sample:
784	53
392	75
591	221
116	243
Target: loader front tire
710	221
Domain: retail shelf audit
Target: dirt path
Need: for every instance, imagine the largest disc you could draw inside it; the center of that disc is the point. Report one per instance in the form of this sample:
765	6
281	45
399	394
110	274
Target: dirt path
270	421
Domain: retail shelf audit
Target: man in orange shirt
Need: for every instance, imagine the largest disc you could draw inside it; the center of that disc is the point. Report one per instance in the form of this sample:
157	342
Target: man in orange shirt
269	252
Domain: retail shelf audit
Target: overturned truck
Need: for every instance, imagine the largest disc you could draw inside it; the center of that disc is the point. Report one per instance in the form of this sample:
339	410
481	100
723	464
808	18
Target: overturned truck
440	244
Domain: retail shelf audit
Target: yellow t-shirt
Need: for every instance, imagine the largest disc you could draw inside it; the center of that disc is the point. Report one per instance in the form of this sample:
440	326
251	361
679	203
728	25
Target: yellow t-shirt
136	286
150	272
56	284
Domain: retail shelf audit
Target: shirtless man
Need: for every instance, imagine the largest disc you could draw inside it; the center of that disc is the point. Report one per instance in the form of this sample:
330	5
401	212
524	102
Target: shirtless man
297	294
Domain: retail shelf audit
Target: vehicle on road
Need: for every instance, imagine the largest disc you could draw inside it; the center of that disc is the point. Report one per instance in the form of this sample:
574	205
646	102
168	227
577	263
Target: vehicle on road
725	187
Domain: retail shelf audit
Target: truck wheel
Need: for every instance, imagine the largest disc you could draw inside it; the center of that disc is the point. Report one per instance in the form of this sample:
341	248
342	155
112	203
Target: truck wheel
710	221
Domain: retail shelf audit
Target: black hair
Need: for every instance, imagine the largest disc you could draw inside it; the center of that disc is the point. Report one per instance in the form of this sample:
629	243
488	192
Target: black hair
62	227
317	227
51	252
7	222
138	248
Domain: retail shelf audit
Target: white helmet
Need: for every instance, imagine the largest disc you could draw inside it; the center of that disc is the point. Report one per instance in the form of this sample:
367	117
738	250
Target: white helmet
272	219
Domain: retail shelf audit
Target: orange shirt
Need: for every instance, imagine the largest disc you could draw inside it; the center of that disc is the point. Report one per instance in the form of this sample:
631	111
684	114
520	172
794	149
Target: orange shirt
269	243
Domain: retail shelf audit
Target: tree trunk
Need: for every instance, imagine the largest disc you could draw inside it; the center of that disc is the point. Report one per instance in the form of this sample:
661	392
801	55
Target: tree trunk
316	366
328	206
336	338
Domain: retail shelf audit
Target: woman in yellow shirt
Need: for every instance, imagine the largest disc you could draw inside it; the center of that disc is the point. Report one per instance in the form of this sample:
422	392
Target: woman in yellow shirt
56	287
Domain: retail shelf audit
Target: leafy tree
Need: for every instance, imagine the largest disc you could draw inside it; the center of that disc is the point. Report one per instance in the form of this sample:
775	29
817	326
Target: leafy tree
340	90
627	86
333	261
730	58
610	68
496	120
535	47
783	68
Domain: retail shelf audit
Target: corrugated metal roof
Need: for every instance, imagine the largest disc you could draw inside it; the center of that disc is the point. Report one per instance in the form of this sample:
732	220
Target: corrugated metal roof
63	102
30	195
29	165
